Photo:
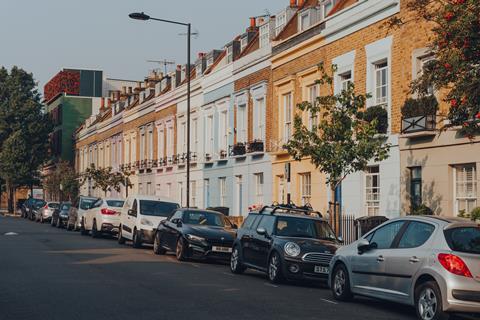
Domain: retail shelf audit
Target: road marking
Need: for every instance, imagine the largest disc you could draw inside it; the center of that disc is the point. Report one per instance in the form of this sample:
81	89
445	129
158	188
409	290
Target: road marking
230	289
228	274
11	234
329	301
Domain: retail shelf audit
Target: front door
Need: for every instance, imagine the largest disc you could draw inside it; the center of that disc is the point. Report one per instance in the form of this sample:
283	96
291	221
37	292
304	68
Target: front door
369	268
262	243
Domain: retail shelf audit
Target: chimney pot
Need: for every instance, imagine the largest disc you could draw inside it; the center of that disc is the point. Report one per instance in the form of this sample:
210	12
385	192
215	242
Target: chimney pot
102	103
293	3
109	103
253	22
301	3
179	67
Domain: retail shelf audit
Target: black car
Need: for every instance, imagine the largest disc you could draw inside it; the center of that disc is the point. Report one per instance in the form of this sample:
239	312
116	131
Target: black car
60	215
286	242
194	233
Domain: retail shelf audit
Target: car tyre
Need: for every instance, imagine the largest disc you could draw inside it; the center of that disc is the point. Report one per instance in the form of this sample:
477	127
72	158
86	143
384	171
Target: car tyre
157	245
180	250
120	238
341	283
95	233
236	264
428	302
83	231
136	239
274	271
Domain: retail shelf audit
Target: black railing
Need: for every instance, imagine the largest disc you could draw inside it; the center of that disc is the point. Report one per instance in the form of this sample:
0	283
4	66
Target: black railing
419	123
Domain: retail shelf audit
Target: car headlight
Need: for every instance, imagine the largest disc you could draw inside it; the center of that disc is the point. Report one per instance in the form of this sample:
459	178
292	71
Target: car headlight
195	238
292	249
146	222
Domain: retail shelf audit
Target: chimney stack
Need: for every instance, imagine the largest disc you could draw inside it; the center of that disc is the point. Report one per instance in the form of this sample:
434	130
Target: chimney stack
253	22
293	3
124	90
102	104
109	103
301	3
129	90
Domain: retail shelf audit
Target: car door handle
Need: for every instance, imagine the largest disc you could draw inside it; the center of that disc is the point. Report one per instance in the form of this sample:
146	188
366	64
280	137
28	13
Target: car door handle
414	259
380	259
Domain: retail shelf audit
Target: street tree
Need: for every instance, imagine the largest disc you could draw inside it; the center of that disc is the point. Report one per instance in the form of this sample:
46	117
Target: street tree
455	46
105	179
63	183
342	142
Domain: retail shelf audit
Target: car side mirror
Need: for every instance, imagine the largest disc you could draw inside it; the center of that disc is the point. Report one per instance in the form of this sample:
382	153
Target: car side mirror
179	223
132	213
261	231
234	226
340	239
363	246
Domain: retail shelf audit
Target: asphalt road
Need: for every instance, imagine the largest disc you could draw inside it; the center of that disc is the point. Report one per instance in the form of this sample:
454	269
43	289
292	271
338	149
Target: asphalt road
47	273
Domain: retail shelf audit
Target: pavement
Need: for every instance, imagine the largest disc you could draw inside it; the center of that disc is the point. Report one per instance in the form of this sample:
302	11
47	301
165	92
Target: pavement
49	273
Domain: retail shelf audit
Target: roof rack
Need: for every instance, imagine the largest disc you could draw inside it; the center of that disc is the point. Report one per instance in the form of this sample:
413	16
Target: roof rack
306	209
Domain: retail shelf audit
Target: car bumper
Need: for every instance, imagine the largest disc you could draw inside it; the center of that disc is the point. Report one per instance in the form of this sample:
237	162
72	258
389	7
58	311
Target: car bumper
463	294
205	251
109	228
300	270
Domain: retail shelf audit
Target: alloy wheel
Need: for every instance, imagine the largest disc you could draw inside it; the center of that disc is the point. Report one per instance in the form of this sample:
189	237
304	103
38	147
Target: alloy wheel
427	304
339	282
273	267
234	260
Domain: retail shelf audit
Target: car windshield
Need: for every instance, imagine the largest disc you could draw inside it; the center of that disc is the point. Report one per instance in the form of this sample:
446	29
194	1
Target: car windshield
115	203
86	203
53	205
204	218
304	228
464	239
157	208
66	206
39	204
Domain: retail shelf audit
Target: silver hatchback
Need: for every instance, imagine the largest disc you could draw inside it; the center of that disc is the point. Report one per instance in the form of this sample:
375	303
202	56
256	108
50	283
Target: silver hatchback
430	262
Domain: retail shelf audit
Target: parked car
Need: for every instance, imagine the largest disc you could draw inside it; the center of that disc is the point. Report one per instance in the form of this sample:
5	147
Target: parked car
195	233
35	208
286	242
60	215
27	207
430	262
45	213
140	217
103	217
77	211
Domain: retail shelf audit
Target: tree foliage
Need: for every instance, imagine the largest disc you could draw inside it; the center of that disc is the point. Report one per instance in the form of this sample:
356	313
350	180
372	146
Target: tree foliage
342	143
24	129
106	180
62	183
456	47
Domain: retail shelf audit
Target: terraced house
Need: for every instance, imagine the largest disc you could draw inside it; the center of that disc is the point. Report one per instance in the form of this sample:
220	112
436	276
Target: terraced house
243	103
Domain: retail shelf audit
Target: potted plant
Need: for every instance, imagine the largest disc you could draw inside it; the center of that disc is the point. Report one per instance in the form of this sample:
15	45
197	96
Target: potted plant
376	113
239	149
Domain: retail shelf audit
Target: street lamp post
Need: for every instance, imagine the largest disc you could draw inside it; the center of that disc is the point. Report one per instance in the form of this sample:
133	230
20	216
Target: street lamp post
144	17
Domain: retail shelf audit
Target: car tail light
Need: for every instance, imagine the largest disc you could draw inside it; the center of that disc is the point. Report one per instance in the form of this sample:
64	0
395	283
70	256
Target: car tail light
46	206
108	211
454	264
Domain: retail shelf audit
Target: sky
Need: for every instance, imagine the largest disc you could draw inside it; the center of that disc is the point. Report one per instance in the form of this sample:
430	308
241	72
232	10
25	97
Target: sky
43	36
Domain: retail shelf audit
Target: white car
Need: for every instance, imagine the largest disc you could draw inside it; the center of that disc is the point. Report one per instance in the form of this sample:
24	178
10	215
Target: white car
140	217
103	217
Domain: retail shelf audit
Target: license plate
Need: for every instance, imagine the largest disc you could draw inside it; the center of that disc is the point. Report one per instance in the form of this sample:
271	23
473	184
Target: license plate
221	249
320	269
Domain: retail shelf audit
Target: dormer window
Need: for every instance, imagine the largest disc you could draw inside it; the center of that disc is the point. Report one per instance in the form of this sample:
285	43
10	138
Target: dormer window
230	54
304	21
280	22
264	35
210	61
198	70
243	42
327	6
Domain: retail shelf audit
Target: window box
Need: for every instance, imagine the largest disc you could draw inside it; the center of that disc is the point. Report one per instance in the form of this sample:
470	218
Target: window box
238	149
419	115
256	146
378	112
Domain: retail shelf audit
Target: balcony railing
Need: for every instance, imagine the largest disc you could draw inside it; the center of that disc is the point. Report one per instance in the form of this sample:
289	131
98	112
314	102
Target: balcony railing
418	124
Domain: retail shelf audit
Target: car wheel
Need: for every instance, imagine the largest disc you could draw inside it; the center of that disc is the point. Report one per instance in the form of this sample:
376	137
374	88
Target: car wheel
341	284
95	233
83	231
236	265
137	239
120	239
157	245
180	250
428	302
275	268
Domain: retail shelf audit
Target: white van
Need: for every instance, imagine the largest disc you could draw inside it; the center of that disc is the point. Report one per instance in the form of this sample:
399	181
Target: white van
140	217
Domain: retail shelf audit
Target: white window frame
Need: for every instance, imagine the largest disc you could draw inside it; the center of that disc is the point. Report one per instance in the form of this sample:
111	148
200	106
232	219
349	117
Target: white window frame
243	42
142	143
305	187
326	11
372	205
193	193
259	187
223	130
466	197
222	186
150	142
194	133
229	53
287	116
280	22
345	79
313	92
264	35
306	14
259	123
170	139
381	81
161	142
242	122
209	133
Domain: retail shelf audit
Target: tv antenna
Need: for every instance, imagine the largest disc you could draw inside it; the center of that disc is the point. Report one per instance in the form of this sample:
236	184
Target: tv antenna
165	63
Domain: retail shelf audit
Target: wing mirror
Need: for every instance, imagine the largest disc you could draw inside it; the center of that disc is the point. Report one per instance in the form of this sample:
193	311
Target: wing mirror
179	223
340	239
132	213
261	231
363	246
